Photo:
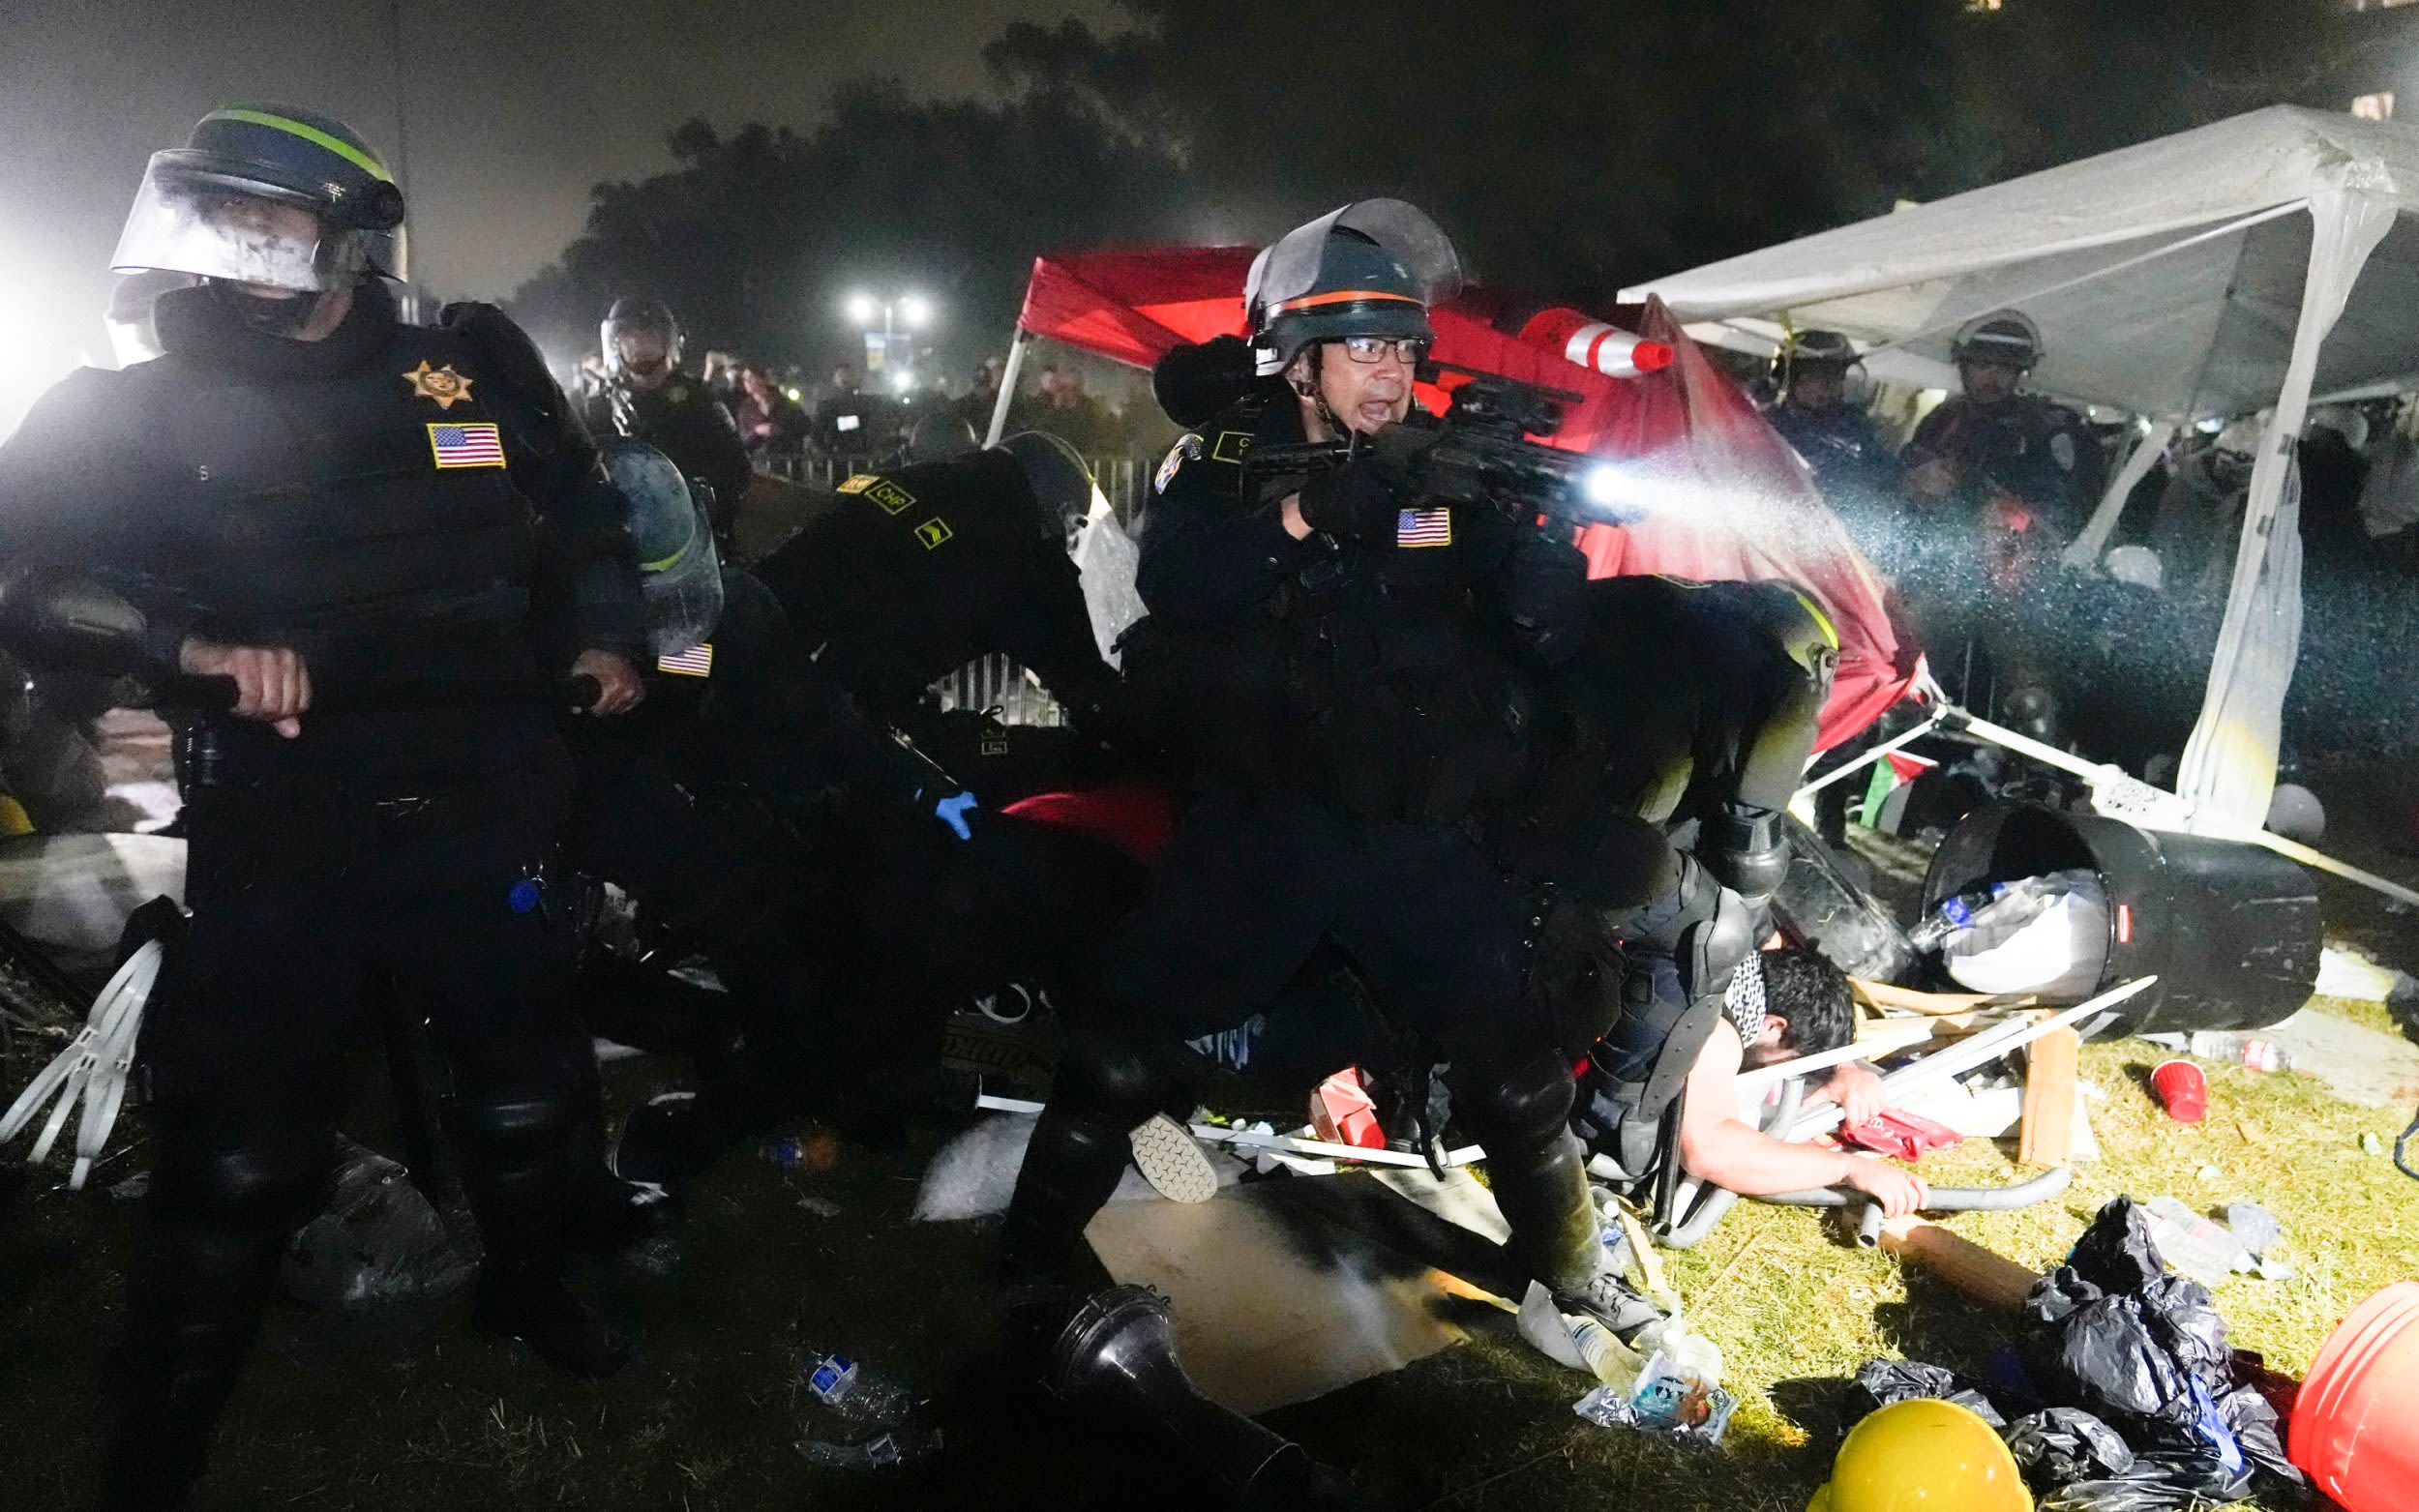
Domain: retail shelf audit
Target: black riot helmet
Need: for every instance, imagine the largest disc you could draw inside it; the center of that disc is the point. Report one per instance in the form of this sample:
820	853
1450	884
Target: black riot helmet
207	208
939	435
1371	268
630	315
1062	485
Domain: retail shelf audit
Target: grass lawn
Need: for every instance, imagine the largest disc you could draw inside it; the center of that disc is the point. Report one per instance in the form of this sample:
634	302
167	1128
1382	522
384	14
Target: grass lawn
439	1420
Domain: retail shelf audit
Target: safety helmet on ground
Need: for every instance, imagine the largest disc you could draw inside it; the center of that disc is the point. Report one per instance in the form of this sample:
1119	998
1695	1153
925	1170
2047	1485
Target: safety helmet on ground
629	315
202	206
1813	349
680	581
1371	268
1923	1456
1062	485
2007	337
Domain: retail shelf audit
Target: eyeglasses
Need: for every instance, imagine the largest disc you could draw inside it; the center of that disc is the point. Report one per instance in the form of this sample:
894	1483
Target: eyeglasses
1408	350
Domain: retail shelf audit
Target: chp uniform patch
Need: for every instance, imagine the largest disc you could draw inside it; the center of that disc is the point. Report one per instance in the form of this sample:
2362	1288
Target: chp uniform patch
1187	448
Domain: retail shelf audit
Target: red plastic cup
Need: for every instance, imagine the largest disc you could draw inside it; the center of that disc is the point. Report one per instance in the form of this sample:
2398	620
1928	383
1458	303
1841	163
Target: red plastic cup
2183	1090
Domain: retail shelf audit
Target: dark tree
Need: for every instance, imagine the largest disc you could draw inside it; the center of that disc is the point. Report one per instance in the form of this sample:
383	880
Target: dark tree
755	239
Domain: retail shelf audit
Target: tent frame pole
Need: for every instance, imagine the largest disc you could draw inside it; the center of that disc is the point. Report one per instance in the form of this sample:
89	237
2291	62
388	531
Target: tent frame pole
1008	384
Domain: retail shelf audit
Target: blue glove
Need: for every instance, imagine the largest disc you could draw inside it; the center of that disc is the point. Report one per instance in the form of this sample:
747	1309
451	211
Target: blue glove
952	812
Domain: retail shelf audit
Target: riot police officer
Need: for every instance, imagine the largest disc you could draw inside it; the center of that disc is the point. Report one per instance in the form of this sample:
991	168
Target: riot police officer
1994	442
914	571
1840	442
305	492
1357	652
645	396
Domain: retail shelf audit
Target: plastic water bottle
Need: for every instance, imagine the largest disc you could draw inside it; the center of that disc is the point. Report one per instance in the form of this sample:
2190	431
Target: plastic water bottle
2250	1051
1615	1363
1952	917
854	1392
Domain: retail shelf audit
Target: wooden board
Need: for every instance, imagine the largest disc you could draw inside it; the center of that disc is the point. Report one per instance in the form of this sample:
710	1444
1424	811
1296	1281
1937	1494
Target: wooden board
2047	1137
1987	1276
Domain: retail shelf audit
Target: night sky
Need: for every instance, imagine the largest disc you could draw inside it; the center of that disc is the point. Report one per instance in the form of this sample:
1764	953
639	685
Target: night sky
511	109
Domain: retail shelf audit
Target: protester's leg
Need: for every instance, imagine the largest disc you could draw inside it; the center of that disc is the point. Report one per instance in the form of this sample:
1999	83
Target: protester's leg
251	1047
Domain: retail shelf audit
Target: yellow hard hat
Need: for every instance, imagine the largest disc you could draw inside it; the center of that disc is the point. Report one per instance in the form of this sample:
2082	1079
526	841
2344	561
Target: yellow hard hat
1924	1455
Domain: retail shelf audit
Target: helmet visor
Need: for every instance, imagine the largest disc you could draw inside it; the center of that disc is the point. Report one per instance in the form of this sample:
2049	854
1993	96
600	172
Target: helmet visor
680	581
192	224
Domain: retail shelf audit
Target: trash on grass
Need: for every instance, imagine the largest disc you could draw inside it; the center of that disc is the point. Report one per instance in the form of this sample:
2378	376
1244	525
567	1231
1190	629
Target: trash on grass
377	1241
885	1450
2208	1252
854	1392
1880	1383
2046	936
1668	1399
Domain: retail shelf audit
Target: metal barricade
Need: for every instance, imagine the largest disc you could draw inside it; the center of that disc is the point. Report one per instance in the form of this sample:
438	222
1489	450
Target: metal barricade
997	682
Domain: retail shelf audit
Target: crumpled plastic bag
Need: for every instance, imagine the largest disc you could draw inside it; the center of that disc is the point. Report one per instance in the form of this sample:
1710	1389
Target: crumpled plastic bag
2061	1446
1881	1384
2145	1353
378	1242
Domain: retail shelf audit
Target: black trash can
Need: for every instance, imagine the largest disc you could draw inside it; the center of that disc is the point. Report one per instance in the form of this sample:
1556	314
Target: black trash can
2232	930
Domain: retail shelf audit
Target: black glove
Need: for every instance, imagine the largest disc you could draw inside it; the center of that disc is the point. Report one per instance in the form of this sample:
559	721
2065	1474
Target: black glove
1355	501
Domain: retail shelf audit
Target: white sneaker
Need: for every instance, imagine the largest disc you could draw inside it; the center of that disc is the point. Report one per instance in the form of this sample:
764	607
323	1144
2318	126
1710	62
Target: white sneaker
1173	1161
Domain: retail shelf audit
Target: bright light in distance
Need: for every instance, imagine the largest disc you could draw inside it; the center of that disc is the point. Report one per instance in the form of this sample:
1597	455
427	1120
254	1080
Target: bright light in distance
904	382
915	309
862	309
40	351
1603	487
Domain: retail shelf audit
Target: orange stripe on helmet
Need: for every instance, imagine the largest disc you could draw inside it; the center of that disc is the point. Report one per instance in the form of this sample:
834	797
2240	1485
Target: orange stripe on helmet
1344	296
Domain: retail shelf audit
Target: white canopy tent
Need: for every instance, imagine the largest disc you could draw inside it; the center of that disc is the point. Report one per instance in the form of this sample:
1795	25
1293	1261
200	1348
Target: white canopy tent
2245	266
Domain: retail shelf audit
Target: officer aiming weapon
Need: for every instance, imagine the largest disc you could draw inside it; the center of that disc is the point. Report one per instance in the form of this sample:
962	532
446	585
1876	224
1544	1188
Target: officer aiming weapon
1485	453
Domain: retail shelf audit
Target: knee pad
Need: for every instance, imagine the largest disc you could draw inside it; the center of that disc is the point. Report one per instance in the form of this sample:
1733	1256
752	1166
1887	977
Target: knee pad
1523	1103
268	1185
1744	849
513	1129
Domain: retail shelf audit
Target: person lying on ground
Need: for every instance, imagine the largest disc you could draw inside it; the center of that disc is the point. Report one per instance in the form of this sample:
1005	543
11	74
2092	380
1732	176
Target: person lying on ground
1785	1003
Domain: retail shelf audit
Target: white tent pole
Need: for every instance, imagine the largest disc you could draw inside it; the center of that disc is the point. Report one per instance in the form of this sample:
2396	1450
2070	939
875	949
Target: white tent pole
2228	770
1007	385
2145	456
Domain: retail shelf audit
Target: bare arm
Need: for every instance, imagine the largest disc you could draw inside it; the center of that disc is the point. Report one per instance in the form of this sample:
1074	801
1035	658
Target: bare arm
1718	1145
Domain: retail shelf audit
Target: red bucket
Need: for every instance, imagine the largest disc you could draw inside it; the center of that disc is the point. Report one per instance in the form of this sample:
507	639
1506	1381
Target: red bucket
2353	1429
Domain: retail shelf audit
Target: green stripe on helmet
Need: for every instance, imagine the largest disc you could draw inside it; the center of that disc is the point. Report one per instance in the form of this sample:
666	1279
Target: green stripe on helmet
309	133
664	563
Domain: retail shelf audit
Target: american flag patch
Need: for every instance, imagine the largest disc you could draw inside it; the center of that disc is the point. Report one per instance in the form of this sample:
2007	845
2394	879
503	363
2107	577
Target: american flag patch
695	661
1424	527
479	445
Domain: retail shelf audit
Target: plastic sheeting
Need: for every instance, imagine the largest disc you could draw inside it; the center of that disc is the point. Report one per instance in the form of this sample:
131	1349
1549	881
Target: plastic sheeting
1723	497
2255	262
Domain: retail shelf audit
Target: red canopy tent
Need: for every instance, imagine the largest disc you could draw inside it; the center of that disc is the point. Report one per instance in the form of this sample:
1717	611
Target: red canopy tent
1725	498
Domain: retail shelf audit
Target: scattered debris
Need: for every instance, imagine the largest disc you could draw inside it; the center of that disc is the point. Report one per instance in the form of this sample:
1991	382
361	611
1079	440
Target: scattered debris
820	1207
1667	1399
856	1393
2182	1089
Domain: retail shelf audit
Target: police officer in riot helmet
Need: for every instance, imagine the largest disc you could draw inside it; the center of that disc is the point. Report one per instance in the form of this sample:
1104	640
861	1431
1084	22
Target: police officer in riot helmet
1357	654
1837	439
645	395
303	494
1995	442
922	568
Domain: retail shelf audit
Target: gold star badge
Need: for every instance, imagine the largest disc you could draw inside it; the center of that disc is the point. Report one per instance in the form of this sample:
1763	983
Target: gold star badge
442	384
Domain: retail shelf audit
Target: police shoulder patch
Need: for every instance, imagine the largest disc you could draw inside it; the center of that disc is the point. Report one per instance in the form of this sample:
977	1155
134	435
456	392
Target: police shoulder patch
1187	448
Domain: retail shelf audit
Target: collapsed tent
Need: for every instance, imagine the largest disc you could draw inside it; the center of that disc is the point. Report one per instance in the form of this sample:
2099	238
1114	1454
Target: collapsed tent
1721	495
2256	262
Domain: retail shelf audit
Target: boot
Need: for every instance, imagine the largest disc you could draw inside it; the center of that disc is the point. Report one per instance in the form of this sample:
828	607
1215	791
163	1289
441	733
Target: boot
534	1307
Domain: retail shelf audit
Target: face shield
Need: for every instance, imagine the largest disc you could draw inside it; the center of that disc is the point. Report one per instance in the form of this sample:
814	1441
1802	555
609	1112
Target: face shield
213	227
681	576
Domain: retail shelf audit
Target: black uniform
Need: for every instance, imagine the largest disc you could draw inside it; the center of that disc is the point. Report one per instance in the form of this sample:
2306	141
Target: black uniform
1364	702
916	571
682	419
2025	446
1853	466
391	502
